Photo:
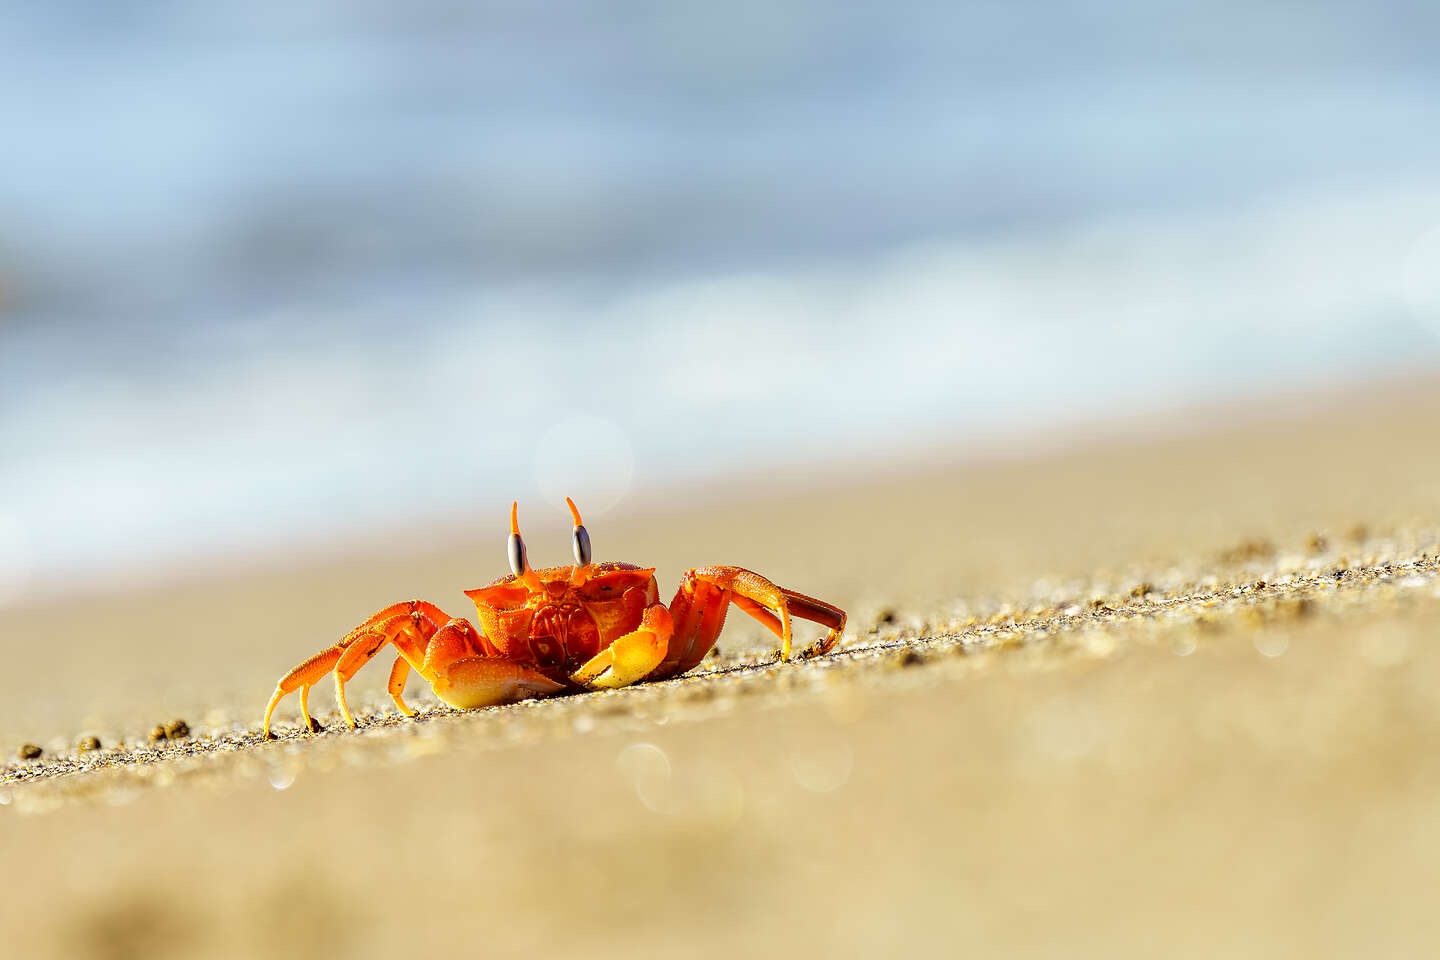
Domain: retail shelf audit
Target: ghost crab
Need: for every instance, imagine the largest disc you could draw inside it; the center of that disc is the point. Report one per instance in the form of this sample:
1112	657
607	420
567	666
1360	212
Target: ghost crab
541	632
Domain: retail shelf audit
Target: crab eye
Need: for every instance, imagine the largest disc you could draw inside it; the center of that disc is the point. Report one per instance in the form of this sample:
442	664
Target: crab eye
581	541
581	544
518	562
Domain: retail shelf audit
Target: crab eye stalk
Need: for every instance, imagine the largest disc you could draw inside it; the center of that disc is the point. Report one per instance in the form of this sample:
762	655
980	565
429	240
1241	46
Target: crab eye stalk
519	563
581	543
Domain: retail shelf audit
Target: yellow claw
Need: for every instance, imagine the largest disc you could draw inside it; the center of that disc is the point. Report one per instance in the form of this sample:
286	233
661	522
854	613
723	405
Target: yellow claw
631	657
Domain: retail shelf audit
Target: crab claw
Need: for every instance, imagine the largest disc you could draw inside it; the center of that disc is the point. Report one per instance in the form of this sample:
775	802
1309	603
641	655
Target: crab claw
631	657
479	682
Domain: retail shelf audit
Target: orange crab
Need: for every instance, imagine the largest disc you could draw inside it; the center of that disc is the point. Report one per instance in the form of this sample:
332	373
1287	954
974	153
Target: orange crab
542	632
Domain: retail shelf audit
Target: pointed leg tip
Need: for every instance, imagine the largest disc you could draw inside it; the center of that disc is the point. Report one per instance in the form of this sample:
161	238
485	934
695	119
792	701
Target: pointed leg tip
820	648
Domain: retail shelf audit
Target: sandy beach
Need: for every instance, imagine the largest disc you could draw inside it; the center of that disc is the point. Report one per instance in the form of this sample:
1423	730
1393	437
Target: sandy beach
1173	690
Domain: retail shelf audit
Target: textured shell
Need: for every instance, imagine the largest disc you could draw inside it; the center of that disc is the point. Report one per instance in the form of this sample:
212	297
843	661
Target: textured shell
614	598
552	575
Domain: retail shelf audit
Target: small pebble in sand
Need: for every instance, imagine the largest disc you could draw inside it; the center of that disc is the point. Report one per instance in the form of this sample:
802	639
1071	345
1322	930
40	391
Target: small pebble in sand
1317	543
1249	550
715	653
29	751
174	730
1140	590
910	658
885	615
89	743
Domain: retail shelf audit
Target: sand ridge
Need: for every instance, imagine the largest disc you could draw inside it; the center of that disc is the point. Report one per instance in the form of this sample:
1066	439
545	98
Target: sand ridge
1295	589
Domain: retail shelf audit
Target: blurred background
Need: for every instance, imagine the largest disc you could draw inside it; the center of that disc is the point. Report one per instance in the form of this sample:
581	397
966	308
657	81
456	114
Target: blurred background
275	274
973	318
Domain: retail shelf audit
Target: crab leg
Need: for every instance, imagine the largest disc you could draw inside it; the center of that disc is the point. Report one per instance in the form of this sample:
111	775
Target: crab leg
398	675
410	632
311	724
303	677
706	593
426	609
807	608
308	673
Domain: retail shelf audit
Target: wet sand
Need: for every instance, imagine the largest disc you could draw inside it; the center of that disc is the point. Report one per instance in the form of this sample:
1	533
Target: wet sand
1174	690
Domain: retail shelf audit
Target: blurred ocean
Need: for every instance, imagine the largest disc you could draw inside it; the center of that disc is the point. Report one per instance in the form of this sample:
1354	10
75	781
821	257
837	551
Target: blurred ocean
274	272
